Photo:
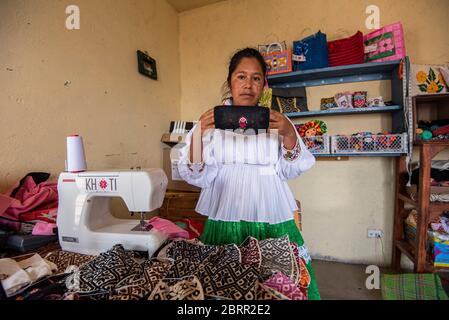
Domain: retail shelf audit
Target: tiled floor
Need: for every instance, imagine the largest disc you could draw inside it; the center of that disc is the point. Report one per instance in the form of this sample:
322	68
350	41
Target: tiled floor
341	281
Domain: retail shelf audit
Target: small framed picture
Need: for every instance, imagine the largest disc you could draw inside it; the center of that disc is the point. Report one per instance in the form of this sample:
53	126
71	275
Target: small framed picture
147	65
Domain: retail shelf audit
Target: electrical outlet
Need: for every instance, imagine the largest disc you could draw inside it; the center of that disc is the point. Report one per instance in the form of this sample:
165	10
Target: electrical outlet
373	233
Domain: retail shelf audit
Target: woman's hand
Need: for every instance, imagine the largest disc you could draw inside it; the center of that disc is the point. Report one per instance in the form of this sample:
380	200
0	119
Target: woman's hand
207	121
284	128
280	123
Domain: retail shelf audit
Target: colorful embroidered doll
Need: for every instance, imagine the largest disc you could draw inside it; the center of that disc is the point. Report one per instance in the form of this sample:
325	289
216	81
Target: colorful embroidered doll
313	128
312	132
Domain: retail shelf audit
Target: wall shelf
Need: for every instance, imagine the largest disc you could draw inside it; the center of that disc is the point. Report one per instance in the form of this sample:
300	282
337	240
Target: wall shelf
333	75
338	112
373	71
359	154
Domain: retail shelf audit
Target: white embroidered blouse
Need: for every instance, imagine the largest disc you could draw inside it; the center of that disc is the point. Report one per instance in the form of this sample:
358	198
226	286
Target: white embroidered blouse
243	177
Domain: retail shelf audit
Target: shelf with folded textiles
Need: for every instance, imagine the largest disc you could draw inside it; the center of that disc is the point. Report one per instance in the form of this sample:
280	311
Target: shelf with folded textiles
435	208
430	118
408	249
427	211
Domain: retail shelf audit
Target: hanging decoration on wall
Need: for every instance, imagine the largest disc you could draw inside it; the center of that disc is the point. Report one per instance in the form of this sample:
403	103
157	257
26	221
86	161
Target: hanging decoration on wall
147	65
427	79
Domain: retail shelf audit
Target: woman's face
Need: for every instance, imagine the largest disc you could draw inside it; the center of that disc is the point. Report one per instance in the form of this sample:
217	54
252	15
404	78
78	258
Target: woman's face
247	82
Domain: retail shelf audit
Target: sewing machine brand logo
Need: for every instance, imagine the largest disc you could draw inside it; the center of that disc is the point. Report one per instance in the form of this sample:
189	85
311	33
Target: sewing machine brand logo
103	184
107	184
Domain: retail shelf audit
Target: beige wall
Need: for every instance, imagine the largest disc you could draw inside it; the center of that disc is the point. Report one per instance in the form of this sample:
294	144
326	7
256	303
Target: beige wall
120	113
340	200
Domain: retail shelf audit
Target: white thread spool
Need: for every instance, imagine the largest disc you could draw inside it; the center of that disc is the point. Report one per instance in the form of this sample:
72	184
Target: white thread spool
76	160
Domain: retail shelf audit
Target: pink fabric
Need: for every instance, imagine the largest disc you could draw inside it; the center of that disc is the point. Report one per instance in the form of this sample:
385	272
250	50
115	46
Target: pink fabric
43	229
5	202
192	226
169	228
29	197
283	284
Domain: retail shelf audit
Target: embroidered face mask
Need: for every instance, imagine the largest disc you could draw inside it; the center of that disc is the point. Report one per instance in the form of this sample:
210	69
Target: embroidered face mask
232	281
283	284
189	288
276	256
250	251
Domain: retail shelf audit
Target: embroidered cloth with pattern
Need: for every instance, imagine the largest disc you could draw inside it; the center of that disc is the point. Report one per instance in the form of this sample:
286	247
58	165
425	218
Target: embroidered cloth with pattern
188	270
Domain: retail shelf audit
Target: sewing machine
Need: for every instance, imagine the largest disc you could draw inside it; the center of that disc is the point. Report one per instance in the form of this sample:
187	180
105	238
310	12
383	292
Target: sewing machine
85	223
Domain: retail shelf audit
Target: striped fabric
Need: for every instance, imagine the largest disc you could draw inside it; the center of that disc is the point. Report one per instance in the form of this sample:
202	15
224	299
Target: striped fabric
426	286
346	51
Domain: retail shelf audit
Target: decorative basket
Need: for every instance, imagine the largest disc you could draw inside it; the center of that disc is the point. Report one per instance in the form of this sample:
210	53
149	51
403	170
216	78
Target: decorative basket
318	144
369	143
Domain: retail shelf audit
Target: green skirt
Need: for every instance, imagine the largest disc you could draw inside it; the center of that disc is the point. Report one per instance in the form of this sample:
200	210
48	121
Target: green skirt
221	232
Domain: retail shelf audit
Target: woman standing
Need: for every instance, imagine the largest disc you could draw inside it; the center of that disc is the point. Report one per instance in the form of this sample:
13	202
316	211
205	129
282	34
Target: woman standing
243	177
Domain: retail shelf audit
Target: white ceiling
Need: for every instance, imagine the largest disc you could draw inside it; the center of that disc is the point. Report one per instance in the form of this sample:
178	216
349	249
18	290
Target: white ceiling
184	5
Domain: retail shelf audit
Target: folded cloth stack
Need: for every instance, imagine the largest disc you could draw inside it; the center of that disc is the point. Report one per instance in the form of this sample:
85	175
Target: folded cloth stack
16	276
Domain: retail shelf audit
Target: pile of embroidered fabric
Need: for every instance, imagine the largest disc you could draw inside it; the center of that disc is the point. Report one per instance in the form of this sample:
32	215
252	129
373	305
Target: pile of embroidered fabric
180	270
439	177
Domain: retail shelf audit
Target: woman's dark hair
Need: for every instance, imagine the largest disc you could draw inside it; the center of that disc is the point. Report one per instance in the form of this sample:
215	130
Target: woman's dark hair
234	62
246	53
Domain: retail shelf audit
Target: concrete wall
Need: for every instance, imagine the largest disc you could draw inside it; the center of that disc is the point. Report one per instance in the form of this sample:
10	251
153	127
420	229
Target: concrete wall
120	113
